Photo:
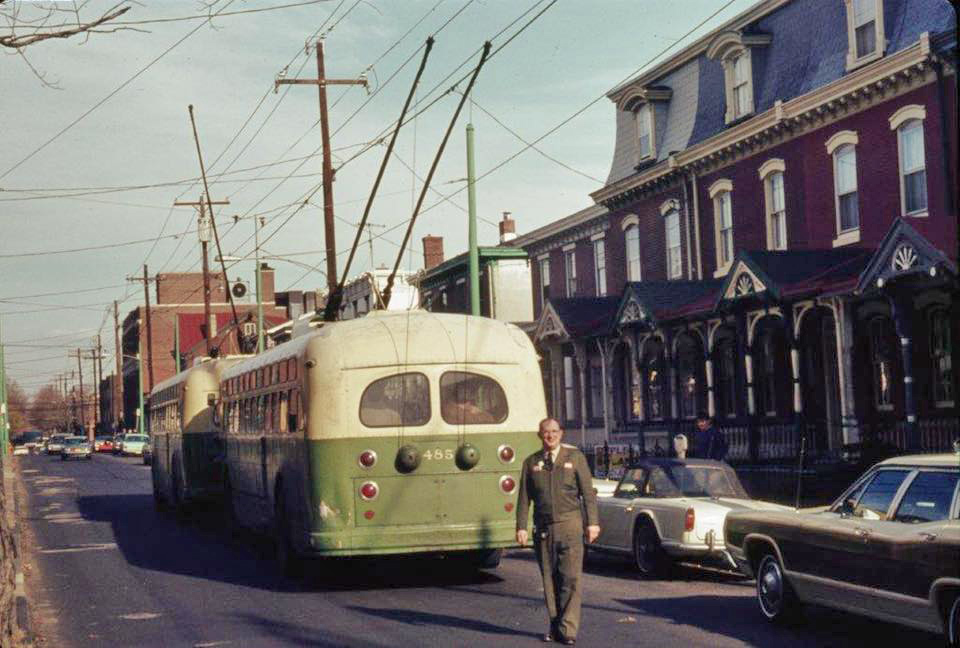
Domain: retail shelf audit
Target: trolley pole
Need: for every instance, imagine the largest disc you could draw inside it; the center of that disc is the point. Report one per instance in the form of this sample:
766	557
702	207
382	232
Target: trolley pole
472	226
118	377
146	301
322	82
256	251
176	342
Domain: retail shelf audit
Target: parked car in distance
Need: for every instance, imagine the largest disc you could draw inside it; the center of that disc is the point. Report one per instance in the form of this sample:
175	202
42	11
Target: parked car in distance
147	453
29	440
133	445
665	510
55	443
887	548
103	443
76	447
117	444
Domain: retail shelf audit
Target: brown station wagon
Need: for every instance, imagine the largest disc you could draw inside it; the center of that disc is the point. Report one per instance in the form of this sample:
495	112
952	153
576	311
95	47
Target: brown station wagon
888	548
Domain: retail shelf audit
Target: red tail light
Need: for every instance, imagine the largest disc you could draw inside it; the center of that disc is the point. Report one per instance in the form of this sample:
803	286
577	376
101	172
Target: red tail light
367	458
507	484
369	490
505	453
689	521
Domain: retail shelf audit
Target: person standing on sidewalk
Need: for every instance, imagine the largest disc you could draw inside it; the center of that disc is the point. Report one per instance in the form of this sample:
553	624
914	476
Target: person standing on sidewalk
557	480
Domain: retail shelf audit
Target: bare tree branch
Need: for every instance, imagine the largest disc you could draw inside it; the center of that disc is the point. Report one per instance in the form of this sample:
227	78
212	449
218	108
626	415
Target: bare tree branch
17	41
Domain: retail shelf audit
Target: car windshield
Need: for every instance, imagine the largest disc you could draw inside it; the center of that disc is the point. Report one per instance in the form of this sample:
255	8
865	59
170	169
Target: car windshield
675	480
75	440
135	438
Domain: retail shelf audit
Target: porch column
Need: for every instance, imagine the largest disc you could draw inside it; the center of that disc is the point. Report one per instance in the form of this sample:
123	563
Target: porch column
902	308
745	388
580	357
790	335
845	352
671	373
557	395
606	361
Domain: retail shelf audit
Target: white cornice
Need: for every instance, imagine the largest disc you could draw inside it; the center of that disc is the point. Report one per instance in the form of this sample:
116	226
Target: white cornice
550	229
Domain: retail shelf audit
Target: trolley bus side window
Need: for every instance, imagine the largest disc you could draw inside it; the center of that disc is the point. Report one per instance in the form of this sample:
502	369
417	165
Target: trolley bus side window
401	399
471	399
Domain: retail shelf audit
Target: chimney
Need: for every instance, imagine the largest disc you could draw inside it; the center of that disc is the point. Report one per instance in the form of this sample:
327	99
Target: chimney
432	251
508	229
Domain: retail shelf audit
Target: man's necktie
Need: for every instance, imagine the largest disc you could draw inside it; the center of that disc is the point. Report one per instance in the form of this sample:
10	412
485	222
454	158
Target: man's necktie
548	461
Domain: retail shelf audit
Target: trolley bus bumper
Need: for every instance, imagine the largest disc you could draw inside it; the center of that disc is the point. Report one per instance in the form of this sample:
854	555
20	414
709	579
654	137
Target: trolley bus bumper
416	539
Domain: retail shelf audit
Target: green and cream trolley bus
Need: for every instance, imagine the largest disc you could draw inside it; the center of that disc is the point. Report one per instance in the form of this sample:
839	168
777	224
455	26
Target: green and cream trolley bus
184	431
393	433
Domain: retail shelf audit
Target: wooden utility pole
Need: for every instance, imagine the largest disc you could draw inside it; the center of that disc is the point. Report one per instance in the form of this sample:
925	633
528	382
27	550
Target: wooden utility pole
118	377
83	419
322	82
204	234
99	379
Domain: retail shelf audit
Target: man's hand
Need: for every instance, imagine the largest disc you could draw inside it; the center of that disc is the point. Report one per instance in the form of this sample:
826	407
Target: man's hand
522	537
593	532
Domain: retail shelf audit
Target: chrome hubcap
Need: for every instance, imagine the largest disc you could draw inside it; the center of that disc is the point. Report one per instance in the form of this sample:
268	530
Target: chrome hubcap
770	588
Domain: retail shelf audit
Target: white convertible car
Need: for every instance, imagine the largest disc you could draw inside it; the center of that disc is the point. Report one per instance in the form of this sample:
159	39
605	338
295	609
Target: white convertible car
667	510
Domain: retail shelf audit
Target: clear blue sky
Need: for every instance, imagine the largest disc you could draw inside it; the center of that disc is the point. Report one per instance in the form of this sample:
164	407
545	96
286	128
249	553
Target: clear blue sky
567	58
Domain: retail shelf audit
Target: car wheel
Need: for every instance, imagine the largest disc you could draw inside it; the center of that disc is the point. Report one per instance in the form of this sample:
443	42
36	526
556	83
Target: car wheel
648	554
777	600
288	561
952	620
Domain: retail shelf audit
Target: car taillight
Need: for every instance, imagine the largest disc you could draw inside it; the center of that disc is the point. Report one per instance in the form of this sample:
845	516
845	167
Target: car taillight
507	484
505	453
367	458
369	490
690	520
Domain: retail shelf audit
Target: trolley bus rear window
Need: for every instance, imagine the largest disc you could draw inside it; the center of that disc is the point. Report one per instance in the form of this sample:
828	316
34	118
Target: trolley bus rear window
403	399
471	399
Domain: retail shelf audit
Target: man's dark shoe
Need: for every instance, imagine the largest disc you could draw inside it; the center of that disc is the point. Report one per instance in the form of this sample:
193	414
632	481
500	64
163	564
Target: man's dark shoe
547	638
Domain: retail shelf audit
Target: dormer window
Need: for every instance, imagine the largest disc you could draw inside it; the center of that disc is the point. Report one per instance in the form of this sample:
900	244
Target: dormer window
734	51
642	103
864	31
645	131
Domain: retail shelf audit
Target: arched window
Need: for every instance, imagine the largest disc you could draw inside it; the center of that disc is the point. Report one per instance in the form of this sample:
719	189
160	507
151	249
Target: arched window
653	367
674	255
941	358
770	369
690	379
725	374
631	237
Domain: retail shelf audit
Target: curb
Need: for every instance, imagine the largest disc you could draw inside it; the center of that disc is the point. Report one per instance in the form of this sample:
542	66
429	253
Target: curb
22	608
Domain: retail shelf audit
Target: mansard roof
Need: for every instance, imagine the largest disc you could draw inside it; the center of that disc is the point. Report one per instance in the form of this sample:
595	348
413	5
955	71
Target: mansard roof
807	51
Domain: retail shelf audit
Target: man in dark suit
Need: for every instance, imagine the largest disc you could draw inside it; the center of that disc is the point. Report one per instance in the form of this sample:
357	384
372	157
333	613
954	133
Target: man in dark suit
557	480
708	441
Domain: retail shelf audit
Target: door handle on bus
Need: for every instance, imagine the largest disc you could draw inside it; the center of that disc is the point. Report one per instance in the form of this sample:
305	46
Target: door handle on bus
861	532
928	537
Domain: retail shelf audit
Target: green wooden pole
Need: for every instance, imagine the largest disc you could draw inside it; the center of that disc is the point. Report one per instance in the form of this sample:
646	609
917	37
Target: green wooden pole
4	425
472	226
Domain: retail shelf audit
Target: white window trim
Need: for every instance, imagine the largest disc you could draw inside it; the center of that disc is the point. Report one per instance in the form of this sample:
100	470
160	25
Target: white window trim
768	168
852	61
666	240
568	247
837	140
570	250
627	223
729	79
898	120
652	123
723	185
599	278
628	220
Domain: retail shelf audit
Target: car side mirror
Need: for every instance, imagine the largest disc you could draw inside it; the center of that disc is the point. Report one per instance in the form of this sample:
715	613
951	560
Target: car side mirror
847	508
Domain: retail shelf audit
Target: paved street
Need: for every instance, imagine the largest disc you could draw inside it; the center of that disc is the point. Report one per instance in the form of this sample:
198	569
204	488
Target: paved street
104	569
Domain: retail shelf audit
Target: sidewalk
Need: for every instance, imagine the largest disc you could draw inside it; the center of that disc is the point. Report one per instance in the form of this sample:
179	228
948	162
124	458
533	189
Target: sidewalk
14	613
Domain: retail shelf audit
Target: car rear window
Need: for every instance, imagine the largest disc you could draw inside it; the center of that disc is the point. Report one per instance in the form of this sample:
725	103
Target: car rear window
471	399
402	399
927	498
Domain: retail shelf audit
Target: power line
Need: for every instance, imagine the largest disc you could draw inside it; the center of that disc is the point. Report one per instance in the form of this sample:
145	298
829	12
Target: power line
108	97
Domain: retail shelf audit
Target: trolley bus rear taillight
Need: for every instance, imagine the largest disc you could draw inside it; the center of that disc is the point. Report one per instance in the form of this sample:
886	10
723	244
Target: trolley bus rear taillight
368	458
507	484
369	491
505	453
